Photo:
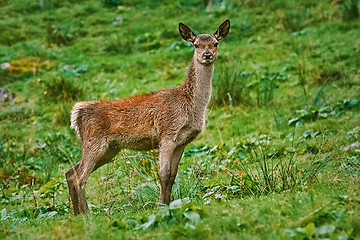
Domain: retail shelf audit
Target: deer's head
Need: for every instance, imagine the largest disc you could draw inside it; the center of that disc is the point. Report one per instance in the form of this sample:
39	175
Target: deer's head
205	44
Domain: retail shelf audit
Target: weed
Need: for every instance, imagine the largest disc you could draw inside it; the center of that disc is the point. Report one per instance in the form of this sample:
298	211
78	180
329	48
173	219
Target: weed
179	211
230	85
233	87
301	76
258	167
328	75
322	222
313	113
62	117
62	89
111	2
275	173
294	20
264	87
16	113
59	35
31	64
50	191
350	9
115	44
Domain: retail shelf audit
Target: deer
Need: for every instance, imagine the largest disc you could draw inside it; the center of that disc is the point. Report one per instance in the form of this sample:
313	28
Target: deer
167	120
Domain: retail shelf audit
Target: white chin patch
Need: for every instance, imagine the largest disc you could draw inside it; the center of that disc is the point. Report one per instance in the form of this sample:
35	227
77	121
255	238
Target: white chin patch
206	61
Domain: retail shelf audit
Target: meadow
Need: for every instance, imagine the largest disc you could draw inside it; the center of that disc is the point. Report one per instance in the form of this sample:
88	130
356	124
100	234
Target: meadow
279	158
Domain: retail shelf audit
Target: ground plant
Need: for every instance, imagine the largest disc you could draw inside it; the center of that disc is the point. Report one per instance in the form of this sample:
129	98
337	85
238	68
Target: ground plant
280	155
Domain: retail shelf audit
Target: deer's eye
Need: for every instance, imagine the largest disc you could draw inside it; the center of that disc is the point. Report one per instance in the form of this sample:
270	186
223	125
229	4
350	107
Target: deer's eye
216	44
196	46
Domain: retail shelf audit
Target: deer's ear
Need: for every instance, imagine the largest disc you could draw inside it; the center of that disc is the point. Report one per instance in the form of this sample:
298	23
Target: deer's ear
223	30
186	33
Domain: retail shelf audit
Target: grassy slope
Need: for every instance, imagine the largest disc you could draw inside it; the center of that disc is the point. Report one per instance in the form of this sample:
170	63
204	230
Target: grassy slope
80	55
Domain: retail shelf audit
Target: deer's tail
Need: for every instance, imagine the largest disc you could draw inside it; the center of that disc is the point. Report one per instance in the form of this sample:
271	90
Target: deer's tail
77	115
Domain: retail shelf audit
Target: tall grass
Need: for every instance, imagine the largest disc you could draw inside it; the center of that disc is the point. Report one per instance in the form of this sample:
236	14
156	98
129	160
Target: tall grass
234	86
350	9
261	167
62	89
230	85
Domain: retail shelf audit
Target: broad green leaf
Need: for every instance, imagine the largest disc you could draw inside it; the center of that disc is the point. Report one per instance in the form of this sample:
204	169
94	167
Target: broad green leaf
325	229
194	217
132	222
189	225
47	215
3	214
290	233
335	237
119	224
149	223
175	204
310	229
293	121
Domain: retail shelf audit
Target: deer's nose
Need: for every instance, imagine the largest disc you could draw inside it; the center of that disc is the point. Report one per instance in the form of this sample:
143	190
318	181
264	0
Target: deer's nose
207	55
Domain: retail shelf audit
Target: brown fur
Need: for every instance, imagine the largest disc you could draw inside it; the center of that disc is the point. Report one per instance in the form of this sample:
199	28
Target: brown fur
167	119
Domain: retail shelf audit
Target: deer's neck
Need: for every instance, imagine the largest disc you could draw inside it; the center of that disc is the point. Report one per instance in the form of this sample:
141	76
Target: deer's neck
198	85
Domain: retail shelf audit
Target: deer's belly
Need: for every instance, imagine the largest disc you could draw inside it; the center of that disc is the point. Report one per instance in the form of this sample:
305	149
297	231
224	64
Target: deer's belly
135	141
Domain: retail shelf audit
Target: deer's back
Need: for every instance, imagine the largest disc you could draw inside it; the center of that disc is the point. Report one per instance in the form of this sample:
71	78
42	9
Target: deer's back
138	122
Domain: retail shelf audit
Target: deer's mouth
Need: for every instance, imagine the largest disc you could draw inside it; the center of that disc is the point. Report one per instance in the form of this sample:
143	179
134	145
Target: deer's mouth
206	60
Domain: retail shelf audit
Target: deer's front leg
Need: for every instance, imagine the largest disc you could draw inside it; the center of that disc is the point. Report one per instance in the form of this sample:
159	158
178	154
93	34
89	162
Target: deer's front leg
166	153
170	156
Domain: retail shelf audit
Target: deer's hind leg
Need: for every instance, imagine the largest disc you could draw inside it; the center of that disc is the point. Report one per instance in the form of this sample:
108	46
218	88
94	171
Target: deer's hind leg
93	157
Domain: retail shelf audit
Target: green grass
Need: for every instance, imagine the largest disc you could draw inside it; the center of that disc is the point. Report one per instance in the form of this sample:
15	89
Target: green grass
279	158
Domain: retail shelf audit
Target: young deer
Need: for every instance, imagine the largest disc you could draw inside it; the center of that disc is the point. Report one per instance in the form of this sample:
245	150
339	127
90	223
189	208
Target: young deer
167	119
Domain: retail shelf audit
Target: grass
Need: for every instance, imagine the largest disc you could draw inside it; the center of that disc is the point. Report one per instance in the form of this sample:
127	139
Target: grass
279	158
